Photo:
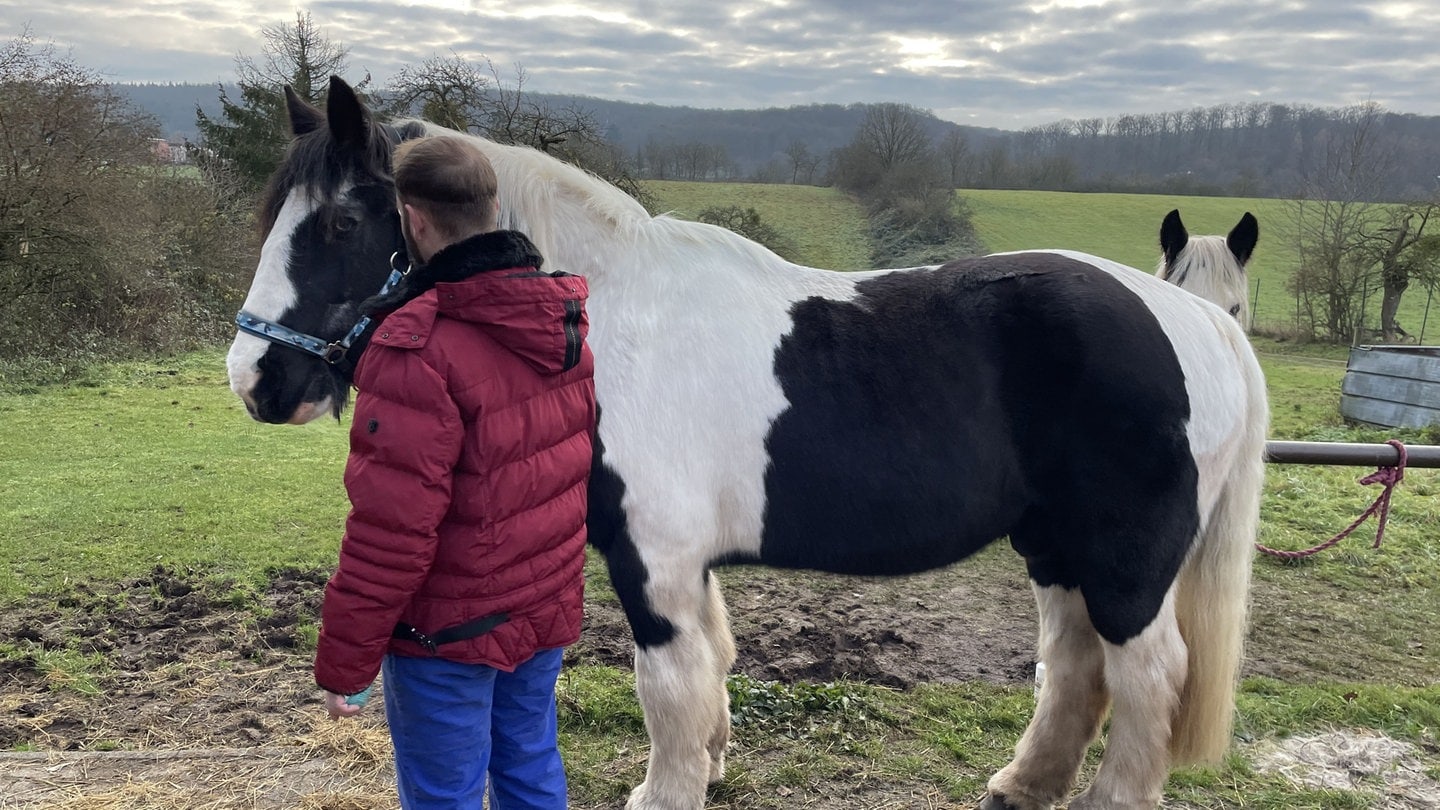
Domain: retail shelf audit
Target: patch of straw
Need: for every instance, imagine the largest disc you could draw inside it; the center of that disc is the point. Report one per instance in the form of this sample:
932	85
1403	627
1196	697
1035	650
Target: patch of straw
1374	764
353	745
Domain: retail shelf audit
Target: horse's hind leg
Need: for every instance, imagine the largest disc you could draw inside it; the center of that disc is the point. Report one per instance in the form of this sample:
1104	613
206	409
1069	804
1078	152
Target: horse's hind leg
681	686
1068	713
1146	675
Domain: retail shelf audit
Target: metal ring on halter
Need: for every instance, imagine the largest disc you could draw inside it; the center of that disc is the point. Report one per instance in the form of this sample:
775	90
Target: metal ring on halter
408	266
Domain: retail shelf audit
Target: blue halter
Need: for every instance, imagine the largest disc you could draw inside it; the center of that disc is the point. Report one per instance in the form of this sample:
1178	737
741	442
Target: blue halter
332	352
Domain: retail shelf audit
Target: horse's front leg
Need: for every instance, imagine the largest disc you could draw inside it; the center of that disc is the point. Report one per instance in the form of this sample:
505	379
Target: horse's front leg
680	665
715	621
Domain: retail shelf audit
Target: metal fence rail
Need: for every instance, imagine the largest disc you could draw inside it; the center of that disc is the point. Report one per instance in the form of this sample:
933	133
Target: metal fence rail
1347	454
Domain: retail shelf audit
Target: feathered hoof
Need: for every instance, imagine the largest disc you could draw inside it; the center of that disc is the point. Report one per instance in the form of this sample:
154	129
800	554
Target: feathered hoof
642	798
997	801
1089	801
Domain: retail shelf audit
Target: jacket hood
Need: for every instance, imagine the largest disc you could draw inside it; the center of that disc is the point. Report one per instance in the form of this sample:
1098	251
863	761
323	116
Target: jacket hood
538	316
493	281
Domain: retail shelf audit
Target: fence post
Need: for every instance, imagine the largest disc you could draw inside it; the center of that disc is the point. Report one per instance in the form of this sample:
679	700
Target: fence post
1429	294
1255	304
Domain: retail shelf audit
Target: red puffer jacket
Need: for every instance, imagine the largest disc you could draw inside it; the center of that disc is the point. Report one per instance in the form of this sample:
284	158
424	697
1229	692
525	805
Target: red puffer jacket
469	461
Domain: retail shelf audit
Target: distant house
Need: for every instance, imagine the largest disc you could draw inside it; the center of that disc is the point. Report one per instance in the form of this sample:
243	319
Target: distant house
174	152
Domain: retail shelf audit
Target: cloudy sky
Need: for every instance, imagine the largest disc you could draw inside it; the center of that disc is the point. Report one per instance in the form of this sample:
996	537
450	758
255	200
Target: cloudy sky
1003	63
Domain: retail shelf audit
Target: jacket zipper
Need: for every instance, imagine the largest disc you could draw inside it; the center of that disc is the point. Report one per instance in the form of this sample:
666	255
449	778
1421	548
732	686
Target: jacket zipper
572	333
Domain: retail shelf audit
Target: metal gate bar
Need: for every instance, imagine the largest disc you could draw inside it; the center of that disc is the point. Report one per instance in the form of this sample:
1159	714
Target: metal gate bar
1350	455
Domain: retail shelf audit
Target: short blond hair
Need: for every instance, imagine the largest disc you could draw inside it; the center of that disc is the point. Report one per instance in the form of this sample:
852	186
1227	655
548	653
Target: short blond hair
451	180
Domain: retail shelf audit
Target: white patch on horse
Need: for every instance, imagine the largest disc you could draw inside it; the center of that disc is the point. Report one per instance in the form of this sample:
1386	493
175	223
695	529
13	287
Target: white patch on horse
718	450
272	294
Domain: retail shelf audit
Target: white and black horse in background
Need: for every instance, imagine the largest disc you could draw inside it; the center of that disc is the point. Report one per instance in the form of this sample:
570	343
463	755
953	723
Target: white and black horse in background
885	422
1212	267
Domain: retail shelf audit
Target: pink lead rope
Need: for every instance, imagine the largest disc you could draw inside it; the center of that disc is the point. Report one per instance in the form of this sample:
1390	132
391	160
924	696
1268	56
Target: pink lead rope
1390	476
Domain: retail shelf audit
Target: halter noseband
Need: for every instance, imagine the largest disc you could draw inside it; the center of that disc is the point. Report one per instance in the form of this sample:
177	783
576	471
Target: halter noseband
333	352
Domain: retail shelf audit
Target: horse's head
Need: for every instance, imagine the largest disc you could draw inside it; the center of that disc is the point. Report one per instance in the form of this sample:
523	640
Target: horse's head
1212	267
329	226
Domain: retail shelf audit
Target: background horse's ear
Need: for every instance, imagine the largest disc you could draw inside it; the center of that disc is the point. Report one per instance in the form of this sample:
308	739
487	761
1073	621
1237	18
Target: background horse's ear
1173	236
349	120
1243	237
304	117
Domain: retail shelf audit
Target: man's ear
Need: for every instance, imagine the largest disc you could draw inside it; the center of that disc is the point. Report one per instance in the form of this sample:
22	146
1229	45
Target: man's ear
416	218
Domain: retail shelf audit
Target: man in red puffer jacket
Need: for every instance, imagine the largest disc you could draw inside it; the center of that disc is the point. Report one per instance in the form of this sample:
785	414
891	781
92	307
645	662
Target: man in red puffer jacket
461	565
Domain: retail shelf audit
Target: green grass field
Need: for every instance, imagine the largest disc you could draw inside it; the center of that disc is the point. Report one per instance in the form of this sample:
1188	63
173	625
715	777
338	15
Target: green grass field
1126	228
830	228
827	228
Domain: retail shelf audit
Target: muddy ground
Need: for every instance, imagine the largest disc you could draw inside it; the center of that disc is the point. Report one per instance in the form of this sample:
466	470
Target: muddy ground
181	666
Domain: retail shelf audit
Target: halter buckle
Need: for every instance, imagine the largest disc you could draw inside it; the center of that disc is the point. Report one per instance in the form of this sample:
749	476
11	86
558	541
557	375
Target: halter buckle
334	353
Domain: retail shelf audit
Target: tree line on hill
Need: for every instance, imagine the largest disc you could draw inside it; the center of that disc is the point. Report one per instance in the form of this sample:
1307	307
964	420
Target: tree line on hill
1255	149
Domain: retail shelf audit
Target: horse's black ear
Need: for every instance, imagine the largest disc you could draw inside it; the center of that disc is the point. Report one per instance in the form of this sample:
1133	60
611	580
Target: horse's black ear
349	120
1173	236
1243	237
304	117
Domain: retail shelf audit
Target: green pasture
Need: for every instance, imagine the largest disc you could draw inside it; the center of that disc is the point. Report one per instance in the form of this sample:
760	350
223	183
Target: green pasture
827	227
155	463
1126	229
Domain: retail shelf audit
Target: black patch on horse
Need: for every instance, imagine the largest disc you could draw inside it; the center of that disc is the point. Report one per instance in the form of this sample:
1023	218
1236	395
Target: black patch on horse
605	526
1030	395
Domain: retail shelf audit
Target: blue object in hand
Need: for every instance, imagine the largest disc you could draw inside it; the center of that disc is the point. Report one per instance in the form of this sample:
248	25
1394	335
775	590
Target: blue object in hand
359	698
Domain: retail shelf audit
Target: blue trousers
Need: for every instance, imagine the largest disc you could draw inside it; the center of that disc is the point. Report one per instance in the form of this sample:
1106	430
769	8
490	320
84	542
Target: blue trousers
452	724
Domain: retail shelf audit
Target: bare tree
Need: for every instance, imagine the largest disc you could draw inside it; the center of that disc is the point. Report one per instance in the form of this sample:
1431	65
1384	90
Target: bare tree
955	157
252	132
894	135
798	152
447	90
300	55
1332	217
472	97
1395	246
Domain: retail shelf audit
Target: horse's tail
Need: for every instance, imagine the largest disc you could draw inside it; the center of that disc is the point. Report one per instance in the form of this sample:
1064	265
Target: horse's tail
1212	596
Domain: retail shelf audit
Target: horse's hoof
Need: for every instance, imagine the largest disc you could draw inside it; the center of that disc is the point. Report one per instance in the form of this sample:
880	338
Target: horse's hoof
637	798
999	801
640	799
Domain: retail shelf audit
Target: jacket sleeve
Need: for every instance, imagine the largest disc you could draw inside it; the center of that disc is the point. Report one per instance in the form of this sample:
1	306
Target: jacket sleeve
404	444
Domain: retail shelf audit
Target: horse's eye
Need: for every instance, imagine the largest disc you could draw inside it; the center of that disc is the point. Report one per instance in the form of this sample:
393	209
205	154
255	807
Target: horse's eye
1235	311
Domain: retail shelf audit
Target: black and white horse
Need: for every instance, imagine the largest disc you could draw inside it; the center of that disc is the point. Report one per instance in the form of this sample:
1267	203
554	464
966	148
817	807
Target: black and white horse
1212	267
887	422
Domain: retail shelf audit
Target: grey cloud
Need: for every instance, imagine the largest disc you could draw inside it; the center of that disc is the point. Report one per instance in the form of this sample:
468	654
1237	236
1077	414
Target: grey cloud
1019	63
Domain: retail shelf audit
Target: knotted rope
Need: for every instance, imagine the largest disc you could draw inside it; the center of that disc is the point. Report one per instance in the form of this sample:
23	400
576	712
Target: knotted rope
1390	476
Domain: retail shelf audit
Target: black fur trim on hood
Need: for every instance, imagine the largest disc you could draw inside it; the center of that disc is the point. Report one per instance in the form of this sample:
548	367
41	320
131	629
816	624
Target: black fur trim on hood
496	250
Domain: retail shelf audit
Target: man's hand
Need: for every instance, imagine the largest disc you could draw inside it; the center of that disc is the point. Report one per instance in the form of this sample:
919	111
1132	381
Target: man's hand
338	706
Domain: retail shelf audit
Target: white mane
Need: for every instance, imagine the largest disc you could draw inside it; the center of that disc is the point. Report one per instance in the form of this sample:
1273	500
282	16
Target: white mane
584	225
1207	268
